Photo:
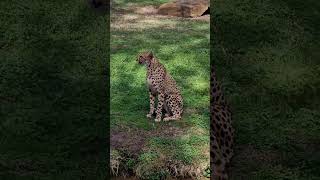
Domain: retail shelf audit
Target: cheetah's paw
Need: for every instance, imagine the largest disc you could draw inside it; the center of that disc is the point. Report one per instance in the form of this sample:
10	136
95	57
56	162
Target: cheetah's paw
157	120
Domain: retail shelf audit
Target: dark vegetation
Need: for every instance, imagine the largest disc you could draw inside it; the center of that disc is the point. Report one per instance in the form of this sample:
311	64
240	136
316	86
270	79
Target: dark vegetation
53	90
267	56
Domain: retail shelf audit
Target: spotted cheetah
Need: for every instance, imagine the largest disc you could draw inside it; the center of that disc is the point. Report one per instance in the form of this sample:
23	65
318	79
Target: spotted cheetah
161	84
221	134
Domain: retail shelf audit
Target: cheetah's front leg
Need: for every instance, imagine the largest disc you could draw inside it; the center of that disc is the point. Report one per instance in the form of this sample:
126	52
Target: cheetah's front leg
160	106
217	162
152	98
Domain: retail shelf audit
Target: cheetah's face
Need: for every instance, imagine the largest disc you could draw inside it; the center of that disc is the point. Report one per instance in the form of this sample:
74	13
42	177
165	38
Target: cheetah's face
144	57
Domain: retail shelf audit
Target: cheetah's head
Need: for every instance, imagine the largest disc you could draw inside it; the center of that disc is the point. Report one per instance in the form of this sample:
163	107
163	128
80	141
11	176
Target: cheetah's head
145	57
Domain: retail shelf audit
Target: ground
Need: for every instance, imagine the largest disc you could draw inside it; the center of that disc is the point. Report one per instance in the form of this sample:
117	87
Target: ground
267	57
148	149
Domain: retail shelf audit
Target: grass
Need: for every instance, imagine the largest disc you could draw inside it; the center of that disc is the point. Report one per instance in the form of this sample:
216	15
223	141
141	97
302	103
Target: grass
52	90
183	47
267	56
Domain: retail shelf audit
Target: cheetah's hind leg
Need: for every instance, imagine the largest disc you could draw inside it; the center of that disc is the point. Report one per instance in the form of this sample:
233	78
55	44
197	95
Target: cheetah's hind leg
166	110
173	108
176	115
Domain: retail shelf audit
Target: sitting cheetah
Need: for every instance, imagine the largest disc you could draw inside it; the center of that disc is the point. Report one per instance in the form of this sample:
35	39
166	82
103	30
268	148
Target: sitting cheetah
221	134
161	84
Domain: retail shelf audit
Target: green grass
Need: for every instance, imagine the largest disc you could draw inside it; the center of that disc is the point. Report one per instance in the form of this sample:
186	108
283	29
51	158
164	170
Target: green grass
267	57
183	47
52	90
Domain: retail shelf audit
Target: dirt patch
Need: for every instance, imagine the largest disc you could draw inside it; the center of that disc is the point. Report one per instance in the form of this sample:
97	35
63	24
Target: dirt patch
143	18
149	12
133	140
127	143
146	10
167	131
152	10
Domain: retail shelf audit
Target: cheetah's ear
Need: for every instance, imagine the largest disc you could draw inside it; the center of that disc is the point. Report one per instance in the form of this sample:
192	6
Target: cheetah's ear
150	54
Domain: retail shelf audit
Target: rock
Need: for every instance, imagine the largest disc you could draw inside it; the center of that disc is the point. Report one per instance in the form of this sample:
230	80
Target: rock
184	8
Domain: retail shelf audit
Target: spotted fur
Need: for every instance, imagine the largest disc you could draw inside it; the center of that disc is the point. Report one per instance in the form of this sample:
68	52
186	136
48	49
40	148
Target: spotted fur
161	84
222	132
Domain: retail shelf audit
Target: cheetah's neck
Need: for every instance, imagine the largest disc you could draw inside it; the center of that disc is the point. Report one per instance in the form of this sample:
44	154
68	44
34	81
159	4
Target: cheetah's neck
152	64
